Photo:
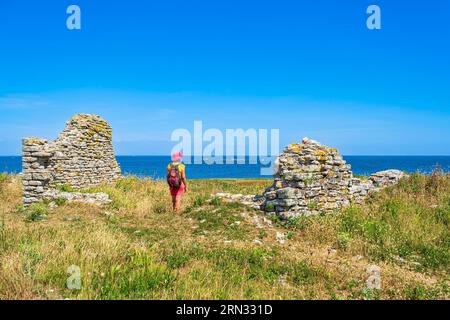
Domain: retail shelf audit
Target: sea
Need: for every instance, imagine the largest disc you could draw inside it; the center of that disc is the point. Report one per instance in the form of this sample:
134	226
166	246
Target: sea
155	166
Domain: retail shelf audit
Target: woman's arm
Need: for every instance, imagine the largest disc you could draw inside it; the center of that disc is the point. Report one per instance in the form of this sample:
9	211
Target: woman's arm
183	178
167	175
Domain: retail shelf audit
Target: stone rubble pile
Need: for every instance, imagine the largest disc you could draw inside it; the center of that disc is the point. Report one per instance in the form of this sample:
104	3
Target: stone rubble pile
81	156
377	181
254	201
386	178
99	198
313	178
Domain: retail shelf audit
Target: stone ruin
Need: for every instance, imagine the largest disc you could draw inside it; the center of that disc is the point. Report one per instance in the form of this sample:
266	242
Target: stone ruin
312	178
82	156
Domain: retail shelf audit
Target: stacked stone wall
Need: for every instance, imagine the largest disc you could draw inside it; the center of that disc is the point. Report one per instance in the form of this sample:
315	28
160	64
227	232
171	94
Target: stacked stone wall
81	156
313	178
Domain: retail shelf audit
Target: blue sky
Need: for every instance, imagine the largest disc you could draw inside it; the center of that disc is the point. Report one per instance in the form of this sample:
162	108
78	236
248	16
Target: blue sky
308	68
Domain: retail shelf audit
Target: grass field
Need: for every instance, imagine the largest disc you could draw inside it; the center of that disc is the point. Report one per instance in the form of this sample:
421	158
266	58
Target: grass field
137	248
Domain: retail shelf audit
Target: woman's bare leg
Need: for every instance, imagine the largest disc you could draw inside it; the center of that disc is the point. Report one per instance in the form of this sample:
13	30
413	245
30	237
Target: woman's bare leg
177	203
174	203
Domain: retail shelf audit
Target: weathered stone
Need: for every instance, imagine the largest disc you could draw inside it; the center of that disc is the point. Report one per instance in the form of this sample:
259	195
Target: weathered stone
285	203
80	157
39	190
270	195
30	149
41	154
386	178
100	198
286	193
41	176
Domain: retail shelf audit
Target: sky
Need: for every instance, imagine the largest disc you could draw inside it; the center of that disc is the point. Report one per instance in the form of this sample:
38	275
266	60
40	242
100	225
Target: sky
307	68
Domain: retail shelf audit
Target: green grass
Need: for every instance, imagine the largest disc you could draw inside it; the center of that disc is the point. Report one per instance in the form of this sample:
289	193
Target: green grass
36	212
65	188
3	178
408	221
215	217
137	277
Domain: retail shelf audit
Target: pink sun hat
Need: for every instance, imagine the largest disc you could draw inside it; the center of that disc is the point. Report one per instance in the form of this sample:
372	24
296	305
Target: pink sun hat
177	156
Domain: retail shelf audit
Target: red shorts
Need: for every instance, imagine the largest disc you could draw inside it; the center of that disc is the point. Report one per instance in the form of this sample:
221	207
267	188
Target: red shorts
177	192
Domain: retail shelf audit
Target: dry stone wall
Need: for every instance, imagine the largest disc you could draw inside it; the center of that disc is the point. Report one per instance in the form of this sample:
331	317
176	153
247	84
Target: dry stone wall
313	178
81	156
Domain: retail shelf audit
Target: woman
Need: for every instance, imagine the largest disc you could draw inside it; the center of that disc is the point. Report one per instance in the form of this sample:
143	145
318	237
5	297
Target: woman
176	178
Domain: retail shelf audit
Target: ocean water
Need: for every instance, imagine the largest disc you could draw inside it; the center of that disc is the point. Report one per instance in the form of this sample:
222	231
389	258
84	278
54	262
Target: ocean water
155	166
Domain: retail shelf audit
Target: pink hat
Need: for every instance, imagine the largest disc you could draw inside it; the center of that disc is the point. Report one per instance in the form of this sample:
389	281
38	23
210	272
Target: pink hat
177	156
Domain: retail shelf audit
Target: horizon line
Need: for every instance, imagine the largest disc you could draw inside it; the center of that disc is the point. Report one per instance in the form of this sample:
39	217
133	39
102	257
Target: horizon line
343	155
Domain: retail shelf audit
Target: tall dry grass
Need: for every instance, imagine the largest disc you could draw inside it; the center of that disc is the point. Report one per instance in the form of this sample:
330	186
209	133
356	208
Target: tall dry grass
137	248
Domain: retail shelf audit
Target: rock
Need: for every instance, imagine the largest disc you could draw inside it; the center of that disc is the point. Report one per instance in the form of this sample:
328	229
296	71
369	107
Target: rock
52	205
282	279
34	183
252	201
407	262
281	237
91	198
109	214
286	193
257	222
45	176
42	154
72	218
285	202
220	195
332	252
386	178
39	190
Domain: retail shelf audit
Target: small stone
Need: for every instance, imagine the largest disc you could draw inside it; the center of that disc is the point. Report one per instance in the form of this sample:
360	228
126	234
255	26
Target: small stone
281	237
332	252
286	193
282	279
